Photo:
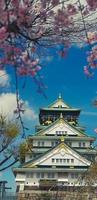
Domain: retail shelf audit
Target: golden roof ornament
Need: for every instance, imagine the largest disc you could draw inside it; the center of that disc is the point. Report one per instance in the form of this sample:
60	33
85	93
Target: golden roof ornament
61	116
62	138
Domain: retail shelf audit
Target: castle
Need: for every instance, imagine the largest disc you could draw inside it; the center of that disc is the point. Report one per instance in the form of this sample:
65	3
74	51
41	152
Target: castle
61	150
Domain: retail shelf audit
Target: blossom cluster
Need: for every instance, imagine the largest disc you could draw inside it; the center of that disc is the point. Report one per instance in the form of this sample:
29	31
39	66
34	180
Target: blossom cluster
26	26
91	54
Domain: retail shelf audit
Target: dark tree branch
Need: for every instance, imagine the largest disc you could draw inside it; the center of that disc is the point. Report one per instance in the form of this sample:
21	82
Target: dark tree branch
5	160
11	164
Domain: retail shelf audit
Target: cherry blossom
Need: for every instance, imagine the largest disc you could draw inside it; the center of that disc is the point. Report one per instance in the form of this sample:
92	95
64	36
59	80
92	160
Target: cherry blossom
95	130
26	27
92	4
87	71
30	23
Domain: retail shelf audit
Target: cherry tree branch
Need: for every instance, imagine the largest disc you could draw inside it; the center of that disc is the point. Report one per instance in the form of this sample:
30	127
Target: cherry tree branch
11	164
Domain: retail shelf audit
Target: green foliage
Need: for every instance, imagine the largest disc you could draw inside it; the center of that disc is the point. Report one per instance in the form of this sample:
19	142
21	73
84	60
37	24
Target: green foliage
12	130
45	196
9	130
22	152
25	148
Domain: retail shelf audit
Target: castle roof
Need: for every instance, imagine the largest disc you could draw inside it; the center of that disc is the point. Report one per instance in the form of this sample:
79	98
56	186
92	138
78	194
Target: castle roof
63	124
61	150
60	104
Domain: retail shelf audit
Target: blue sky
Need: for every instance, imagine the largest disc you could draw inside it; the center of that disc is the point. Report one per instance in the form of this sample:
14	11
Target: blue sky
61	75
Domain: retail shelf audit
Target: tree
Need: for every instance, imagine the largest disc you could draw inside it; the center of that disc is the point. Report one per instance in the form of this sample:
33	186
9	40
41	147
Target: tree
26	26
29	27
25	148
8	149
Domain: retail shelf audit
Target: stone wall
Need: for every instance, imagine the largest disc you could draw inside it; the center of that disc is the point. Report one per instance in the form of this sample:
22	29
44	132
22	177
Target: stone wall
56	195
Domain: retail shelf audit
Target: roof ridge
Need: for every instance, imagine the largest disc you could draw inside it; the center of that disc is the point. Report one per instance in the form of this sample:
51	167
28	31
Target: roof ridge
58	99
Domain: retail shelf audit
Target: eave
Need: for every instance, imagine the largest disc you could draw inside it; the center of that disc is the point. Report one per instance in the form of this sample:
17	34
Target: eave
68	138
50	169
61	109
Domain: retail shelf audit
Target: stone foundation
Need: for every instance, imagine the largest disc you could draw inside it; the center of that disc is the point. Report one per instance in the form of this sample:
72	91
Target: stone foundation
56	195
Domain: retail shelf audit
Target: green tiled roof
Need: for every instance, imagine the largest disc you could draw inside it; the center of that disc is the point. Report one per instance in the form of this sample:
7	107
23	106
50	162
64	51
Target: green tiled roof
61	109
40	156
76	138
77	169
59	99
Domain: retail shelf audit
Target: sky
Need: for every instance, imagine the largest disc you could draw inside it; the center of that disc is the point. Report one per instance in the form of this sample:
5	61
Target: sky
61	75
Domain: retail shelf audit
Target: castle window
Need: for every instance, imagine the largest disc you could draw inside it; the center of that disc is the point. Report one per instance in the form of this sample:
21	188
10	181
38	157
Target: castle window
83	144
51	175
38	175
29	175
68	160
56	132
79	144
38	143
52	144
76	175
65	132
42	175
56	142
57	160
72	175
30	156
72	160
42	143
61	160
61	132
70	143
53	160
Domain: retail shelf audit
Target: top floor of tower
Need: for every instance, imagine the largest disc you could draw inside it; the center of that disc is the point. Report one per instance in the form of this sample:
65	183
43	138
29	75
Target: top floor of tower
51	113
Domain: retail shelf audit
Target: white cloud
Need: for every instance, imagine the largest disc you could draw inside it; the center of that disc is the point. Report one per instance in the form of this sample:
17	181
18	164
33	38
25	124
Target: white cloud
4	79
8	105
29	112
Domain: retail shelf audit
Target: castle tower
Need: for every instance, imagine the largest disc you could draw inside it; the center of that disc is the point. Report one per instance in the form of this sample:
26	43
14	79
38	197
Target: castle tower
61	150
52	112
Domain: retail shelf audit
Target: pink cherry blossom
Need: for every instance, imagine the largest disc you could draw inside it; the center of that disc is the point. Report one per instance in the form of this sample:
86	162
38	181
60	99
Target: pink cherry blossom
32	73
37	68
26	27
55	2
3	33
87	71
71	9
92	4
95	130
22	71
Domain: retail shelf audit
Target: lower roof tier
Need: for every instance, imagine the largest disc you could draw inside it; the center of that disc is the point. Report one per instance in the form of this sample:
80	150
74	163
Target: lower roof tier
51	169
69	137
